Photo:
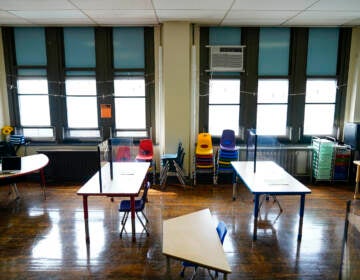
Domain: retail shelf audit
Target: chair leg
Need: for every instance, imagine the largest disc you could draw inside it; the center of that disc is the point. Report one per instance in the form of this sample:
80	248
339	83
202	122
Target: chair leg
142	223
194	273
182	273
146	219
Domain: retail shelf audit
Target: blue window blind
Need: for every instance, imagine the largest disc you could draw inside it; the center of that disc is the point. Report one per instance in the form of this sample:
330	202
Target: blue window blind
79	43
30	46
274	45
128	44
322	51
224	36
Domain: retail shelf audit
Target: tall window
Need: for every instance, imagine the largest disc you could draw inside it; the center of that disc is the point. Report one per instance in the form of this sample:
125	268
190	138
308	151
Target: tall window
129	84
273	83
32	86
80	84
224	89
224	105
321	84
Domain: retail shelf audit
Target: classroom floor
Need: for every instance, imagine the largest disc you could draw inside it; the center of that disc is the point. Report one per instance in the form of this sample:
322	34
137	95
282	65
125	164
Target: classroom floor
46	239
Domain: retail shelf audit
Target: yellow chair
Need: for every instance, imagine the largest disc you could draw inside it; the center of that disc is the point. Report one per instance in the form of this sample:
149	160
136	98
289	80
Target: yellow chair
204	144
204	159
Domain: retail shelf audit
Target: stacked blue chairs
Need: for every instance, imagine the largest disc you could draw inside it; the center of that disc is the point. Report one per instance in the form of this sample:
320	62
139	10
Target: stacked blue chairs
227	152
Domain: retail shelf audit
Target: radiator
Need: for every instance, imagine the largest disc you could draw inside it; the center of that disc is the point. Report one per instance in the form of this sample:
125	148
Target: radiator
295	160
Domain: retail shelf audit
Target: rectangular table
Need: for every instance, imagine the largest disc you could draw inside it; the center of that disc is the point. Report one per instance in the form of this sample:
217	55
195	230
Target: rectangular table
269	179
127	181
193	237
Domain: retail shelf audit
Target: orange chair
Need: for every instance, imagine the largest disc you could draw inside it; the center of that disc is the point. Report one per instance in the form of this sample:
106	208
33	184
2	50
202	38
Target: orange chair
146	153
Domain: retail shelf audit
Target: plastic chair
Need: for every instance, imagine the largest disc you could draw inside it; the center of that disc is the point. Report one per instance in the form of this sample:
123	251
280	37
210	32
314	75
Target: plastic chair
222	231
204	158
227	152
173	164
123	154
146	153
124	207
227	140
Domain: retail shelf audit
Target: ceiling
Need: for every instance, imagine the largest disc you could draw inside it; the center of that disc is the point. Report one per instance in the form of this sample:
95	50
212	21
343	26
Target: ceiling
204	12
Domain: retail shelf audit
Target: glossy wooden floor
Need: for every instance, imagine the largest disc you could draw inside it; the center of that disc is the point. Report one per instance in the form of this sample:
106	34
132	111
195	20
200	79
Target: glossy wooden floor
45	239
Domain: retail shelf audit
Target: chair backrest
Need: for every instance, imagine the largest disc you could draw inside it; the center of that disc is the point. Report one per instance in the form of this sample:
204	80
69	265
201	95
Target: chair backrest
146	147
221	230
227	140
122	154
204	144
145	192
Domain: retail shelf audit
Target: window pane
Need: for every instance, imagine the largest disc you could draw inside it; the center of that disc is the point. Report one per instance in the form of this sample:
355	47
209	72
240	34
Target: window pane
38	132
224	91
320	91
271	119
131	133
274	49
273	91
128	43
79	46
34	110
224	35
223	117
84	133
80	86
319	119
82	112
322	51
130	113
32	86
129	87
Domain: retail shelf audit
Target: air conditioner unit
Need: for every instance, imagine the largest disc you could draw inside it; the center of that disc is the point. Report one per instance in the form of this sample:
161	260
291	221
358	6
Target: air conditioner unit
226	58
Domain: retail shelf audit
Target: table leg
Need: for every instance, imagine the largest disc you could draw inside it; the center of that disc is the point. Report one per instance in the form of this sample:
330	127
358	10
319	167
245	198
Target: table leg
225	276
357	180
256	214
132	206
86	218
43	182
301	214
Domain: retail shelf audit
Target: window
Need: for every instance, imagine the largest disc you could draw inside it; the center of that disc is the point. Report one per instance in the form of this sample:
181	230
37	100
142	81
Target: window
130	107
321	83
80	84
130	96
32	85
224	105
320	107
272	94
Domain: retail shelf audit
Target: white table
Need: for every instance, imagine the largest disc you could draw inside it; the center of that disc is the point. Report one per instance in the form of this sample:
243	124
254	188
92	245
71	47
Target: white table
127	182
193	237
269	179
29	164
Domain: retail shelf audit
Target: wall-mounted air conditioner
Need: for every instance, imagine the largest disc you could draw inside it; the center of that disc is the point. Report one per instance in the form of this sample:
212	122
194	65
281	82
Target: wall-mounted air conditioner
226	58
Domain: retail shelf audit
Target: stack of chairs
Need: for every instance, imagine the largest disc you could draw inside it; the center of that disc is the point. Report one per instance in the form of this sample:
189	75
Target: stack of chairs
227	152
146	154
204	156
172	164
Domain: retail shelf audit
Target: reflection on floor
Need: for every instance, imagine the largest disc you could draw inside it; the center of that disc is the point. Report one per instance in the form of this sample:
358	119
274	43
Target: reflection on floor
46	239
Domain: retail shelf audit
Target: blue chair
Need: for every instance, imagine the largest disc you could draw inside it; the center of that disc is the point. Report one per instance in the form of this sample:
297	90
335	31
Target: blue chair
125	208
222	231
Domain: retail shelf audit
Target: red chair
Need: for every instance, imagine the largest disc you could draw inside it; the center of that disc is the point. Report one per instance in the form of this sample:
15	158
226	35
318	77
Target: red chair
123	154
146	153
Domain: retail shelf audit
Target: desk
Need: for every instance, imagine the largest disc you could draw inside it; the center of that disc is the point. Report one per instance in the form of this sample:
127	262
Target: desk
193	237
127	182
269	179
357	179
29	164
